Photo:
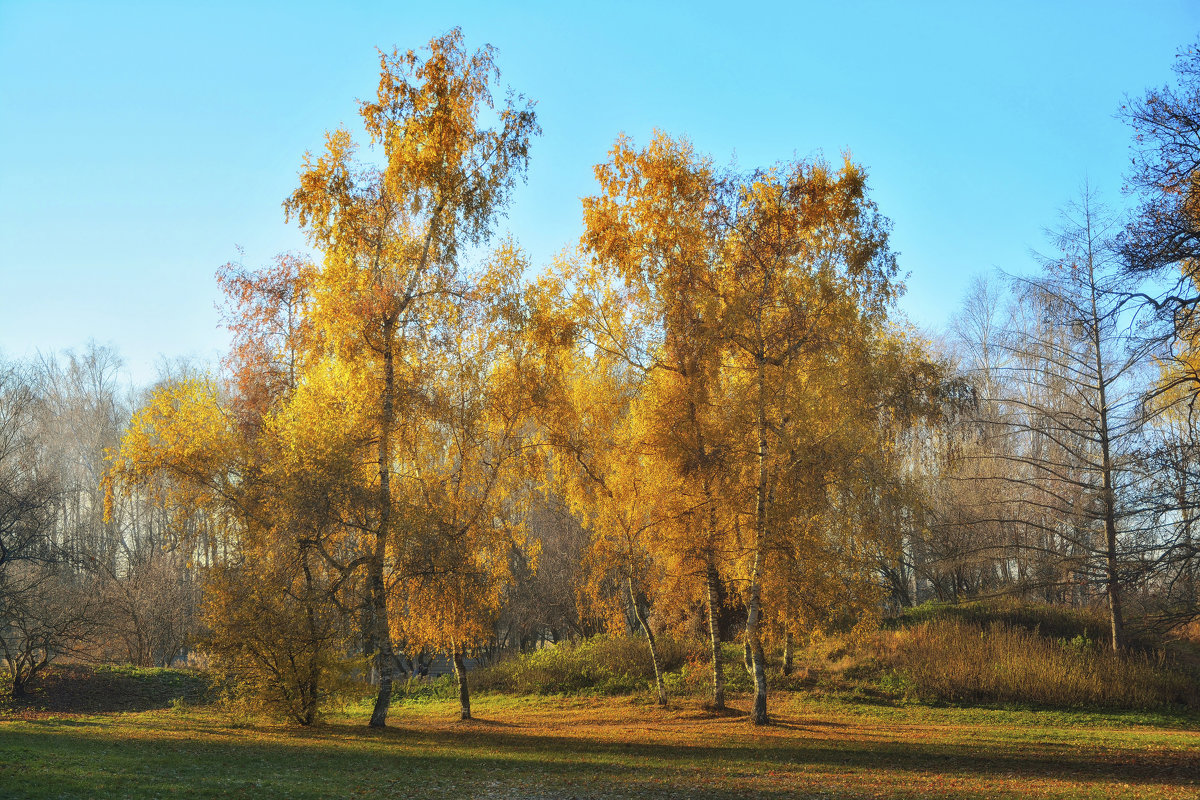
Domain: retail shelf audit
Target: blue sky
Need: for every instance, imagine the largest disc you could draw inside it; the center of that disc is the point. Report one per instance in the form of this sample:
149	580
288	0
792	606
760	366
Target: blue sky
142	143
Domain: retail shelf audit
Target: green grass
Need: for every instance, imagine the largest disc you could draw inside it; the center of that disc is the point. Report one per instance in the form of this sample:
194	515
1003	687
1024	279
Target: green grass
607	748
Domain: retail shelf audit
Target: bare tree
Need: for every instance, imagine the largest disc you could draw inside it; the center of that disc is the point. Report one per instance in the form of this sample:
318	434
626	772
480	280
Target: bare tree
45	605
1067	419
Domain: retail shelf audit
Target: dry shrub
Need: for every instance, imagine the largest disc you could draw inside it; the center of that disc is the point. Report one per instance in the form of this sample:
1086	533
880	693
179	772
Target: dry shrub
959	661
1190	631
273	652
1187	636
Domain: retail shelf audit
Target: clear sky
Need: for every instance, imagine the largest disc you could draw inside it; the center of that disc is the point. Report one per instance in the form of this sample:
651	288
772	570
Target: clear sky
141	143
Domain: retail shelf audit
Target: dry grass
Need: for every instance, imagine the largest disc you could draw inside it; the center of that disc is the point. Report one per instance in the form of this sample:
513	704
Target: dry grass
969	654
955	661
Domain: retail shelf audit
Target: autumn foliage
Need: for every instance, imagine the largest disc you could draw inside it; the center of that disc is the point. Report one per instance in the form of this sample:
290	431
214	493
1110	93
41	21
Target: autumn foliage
710	383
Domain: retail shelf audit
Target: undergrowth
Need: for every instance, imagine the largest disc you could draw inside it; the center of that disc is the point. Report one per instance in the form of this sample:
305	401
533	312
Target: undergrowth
977	654
606	665
997	653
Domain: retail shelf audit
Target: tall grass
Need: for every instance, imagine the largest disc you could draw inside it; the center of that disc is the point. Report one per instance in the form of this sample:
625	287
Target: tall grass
957	661
1055	621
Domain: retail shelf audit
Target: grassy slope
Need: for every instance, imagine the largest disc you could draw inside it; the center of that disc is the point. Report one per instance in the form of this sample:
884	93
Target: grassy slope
609	747
77	688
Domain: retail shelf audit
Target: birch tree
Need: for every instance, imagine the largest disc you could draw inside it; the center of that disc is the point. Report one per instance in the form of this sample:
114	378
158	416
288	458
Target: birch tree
391	237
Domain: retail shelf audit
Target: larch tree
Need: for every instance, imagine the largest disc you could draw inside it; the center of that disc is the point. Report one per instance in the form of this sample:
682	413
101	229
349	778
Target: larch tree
391	237
1078	411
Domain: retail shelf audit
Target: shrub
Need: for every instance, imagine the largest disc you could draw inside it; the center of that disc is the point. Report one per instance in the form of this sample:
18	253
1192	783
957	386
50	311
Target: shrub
420	690
274	651
603	664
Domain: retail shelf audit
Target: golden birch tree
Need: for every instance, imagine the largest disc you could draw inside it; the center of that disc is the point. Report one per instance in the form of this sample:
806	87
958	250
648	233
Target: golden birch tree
391	237
805	276
276	465
469	466
652	242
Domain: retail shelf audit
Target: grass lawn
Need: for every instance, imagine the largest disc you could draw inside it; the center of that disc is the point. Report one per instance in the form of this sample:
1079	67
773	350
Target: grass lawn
607	747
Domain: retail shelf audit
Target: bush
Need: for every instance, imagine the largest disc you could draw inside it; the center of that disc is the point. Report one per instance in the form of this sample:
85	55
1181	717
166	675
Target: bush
422	689
274	651
956	661
603	664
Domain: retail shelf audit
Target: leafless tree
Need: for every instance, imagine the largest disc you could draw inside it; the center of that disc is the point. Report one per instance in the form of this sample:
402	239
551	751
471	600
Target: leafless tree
45	607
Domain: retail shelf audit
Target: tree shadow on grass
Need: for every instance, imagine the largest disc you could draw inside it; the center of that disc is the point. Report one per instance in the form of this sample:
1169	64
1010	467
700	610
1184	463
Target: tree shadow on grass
183	758
708	712
1028	760
484	722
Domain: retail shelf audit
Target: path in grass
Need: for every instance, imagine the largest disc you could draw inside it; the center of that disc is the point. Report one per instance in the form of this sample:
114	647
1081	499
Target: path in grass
610	748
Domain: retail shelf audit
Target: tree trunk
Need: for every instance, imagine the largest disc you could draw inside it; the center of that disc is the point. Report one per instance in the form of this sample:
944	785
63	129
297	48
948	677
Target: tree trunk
754	648
1109	499
380	641
714	637
380	633
1115	606
310	684
787	653
464	693
308	694
641	618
